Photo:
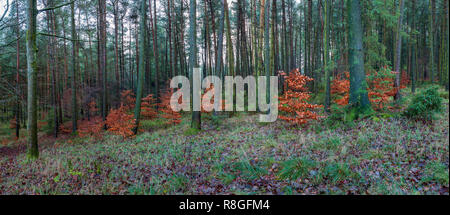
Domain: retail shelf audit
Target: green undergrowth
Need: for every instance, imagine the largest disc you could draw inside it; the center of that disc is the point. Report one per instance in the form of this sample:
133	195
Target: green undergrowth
385	153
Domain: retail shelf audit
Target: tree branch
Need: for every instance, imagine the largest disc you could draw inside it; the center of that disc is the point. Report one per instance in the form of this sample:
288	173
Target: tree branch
55	7
2	27
4	13
65	38
10	42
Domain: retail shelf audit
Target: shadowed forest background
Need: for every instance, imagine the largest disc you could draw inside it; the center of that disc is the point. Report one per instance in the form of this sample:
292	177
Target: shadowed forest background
85	99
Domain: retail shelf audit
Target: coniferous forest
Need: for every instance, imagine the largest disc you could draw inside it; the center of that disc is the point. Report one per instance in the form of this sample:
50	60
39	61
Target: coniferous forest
360	91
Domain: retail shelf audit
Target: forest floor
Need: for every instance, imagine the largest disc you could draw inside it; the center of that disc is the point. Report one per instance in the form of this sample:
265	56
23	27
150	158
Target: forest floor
238	155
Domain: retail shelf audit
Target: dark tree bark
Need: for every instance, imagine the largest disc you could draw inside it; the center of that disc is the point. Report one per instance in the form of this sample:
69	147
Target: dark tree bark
285	39
17	111
398	52
115	4
73	76
196	115
154	26
413	50
267	49
103	58
359	99
33	151
327	8
431	39
137	110
274	41
52	51
220	40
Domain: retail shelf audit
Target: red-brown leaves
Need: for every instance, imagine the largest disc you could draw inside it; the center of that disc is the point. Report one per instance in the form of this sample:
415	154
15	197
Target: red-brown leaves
381	87
128	100
66	128
13	123
93	127
148	107
341	86
172	116
92	107
404	81
294	102
119	122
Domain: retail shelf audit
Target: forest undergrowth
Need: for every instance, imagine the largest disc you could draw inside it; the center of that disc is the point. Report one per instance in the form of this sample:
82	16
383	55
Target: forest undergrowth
382	154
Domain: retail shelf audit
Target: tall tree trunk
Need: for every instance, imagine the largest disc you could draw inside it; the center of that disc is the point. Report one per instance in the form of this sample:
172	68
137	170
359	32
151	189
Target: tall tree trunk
431	39
208	58
170	34
52	52
33	151
130	57
196	115
308	38
267	50
398	53
154	25
213	23
103	58
17	111
238	66
443	58
284	39
326	32
137	57
413	50
261	37
74	70
137	110
447	45
116	45
254	38
273	41
291	63
359	99
220	40
230	52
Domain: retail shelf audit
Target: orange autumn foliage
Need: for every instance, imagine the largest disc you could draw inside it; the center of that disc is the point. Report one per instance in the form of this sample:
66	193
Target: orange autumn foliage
341	87
92	128
404	80
121	123
13	123
66	128
381	87
167	112
4	141
118	121
92	107
86	128
148	107
294	102
128	100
